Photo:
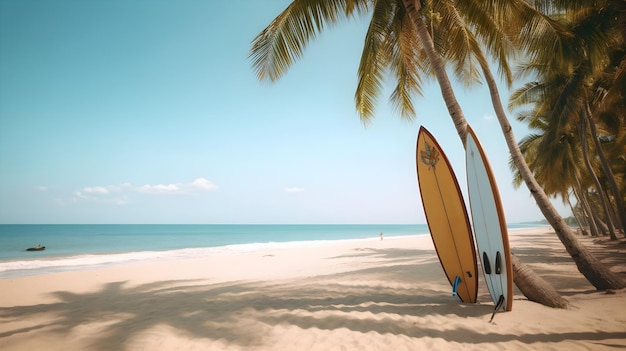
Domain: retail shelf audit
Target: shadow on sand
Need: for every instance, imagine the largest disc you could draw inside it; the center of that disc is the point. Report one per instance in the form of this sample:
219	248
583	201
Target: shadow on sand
387	299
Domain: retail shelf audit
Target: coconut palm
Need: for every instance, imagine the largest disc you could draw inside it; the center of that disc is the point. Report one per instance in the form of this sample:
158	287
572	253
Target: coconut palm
593	37
563	140
609	111
597	274
547	153
599	38
554	148
399	39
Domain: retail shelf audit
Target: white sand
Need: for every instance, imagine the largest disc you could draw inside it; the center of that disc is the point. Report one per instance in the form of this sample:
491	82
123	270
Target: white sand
361	295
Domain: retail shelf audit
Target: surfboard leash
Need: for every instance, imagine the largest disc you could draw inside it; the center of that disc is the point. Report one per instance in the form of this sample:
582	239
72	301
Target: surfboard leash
498	306
455	286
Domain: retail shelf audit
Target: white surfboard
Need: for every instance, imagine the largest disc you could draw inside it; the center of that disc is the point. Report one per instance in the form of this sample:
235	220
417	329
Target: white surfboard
492	239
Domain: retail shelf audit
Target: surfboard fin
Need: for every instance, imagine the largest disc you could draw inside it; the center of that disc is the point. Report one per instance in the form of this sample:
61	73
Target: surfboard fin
486	263
455	286
498	263
498	306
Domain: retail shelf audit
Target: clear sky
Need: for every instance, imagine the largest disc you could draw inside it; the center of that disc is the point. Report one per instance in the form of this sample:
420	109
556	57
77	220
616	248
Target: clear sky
148	111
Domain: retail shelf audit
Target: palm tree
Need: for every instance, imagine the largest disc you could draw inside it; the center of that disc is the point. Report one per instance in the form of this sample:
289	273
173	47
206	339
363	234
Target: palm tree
609	108
602	33
584	121
584	209
596	273
556	151
555	147
399	39
583	57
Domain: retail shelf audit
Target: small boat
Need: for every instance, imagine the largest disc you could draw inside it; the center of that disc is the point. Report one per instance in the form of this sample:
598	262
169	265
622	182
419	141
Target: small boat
36	248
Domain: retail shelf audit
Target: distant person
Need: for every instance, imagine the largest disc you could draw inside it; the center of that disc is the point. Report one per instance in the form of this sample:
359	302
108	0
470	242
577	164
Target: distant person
381	235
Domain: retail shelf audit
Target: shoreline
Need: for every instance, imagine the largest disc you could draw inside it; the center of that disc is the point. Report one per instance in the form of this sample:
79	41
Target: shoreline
371	295
57	264
13	268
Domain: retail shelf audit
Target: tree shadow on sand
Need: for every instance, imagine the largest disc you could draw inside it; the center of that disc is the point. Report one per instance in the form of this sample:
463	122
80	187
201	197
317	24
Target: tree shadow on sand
547	256
390	297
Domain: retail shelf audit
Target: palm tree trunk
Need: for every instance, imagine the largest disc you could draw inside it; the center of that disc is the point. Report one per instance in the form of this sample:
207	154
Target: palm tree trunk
592	173
596	273
613	212
454	109
608	172
603	228
536	288
582	198
575	213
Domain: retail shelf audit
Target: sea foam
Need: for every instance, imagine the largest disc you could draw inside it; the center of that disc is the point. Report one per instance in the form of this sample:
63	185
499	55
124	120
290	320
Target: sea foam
78	262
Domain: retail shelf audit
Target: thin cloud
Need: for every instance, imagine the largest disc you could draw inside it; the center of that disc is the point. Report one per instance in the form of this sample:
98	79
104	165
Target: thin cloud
197	186
294	189
204	184
119	200
158	189
99	195
95	190
121	194
487	117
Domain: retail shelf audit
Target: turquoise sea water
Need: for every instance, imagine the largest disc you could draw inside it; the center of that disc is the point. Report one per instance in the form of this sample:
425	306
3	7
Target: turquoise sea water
70	247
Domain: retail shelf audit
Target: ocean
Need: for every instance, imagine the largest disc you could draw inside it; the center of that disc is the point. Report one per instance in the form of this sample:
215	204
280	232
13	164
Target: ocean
74	247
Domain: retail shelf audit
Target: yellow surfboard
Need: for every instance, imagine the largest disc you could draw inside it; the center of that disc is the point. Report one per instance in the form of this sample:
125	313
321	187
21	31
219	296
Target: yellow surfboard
447	217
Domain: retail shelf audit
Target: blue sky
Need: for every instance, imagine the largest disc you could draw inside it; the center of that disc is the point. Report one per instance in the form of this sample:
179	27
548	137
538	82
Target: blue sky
149	112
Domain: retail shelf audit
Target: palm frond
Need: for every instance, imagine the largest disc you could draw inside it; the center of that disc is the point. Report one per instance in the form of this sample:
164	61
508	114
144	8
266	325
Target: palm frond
456	48
407	61
486	20
374	61
529	93
283	41
568	102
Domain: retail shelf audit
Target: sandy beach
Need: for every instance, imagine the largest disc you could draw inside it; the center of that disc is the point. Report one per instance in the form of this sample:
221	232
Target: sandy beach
356	295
